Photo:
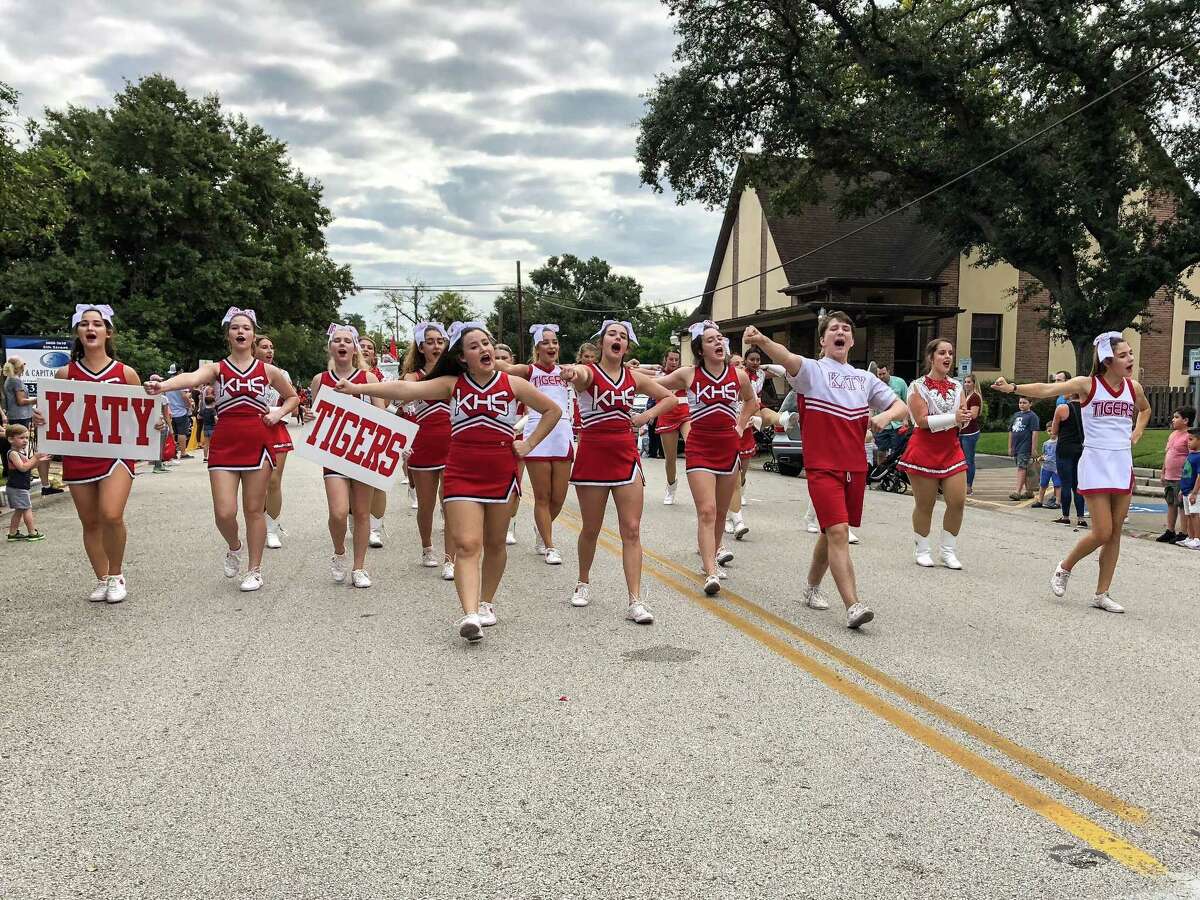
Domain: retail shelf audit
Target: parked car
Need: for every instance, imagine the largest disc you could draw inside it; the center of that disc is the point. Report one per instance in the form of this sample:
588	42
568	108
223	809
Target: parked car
787	449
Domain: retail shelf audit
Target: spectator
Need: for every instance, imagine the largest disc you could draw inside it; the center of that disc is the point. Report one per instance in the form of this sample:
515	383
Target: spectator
1067	428
1173	460
179	405
1189	486
160	466
1061	375
1049	475
18	409
16	491
208	420
968	435
885	441
1022	441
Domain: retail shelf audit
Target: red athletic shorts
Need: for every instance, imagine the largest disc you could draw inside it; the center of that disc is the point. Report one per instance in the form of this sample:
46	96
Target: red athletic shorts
673	419
283	440
748	449
837	496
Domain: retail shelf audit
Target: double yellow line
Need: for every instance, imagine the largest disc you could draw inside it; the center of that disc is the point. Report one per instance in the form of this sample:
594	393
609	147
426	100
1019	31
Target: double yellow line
1024	793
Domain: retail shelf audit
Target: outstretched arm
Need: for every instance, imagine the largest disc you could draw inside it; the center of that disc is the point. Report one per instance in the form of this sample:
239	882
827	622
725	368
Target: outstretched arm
898	410
404	391
1041	390
206	374
679	380
655	391
521	370
579	377
779	354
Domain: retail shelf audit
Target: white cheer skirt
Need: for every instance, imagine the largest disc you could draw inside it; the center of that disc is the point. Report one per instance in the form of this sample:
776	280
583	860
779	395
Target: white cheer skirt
558	444
1105	471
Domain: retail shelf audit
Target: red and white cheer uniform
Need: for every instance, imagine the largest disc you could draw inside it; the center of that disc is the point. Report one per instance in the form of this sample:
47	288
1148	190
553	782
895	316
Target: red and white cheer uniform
329	382
241	442
481	465
1106	466
83	469
712	444
749	446
283	440
557	444
431	446
675	417
934	451
838	400
607	455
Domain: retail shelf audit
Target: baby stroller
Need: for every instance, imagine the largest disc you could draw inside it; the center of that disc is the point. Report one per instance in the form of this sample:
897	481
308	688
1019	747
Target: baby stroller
884	475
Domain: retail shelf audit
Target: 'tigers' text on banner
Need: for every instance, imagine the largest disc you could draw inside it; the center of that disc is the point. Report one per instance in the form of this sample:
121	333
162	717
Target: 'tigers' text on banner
109	421
356	439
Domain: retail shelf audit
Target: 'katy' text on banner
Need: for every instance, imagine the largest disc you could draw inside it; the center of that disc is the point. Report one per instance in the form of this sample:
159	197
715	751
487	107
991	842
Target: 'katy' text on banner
111	421
356	439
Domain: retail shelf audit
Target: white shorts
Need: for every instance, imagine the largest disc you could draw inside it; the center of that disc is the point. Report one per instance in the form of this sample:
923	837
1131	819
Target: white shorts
1105	471
558	444
1189	508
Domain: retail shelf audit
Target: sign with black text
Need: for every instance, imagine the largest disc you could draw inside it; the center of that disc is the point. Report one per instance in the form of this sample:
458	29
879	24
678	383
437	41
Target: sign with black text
85	418
356	439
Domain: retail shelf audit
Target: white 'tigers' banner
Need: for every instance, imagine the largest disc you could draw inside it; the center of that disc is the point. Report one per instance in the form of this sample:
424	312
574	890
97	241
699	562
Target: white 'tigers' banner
110	421
356	439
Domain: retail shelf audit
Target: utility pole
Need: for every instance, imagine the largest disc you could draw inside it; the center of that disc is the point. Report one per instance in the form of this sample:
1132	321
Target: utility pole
520	316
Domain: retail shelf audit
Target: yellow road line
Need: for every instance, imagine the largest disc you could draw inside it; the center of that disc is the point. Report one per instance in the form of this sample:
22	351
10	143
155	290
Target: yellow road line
982	733
1063	816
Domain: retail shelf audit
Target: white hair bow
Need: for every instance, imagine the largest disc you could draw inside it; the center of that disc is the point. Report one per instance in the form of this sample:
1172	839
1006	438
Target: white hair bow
624	324
1104	344
457	329
698	328
234	311
336	327
539	332
105	311
421	327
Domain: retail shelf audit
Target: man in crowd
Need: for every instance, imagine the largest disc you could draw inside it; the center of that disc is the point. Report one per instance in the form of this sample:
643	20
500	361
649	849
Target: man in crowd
885	440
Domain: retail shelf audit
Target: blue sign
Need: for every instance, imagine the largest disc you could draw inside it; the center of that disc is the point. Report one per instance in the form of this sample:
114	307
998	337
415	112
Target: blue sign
43	356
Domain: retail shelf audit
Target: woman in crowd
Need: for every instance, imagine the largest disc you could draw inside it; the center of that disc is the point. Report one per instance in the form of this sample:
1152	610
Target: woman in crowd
18	409
378	497
264	349
672	425
934	459
241	453
1111	400
607	462
968	434
481	468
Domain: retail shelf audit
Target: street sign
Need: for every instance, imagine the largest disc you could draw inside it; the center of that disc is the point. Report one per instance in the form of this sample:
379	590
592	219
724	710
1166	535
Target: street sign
1194	363
964	367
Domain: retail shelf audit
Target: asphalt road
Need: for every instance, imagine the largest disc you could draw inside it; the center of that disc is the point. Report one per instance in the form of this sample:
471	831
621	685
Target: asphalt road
979	739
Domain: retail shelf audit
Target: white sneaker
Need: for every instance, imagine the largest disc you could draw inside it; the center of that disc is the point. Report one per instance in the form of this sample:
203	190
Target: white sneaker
471	628
447	569
429	558
852	538
740	528
412	498
487	615
252	581
756	423
553	557
858	614
810	523
637	612
338	567
1192	543
538	547
948	551
581	595
510	536
729	526
813	598
669	497
712	584
922	554
98	592
1107	603
1058	581
360	578
724	555
375	538
233	561
116	589
722	572
273	541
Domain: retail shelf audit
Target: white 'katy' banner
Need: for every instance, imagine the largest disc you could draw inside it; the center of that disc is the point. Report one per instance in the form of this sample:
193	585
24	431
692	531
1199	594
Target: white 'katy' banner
110	421
356	439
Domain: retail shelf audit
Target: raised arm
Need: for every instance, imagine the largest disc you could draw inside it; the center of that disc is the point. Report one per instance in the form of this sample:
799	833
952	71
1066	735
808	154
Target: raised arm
521	370
534	399
679	380
779	354
206	374
404	391
655	391
1041	390
579	377
1060	415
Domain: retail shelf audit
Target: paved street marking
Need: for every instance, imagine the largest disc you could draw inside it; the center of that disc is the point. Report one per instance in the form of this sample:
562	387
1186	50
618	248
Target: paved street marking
1061	815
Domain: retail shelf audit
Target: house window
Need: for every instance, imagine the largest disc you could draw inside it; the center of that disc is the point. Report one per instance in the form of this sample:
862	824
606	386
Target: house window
985	341
1191	341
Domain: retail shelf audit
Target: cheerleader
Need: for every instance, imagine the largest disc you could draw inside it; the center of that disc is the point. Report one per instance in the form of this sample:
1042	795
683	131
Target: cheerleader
672	425
934	457
712	454
481	468
504	357
549	466
264	349
587	354
1111	399
346	497
751	362
241	452
378	498
432	443
99	487
607	460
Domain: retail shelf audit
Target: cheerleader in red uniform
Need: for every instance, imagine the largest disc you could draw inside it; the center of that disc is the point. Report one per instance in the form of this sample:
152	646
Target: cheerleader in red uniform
720	406
587	354
241	451
431	446
99	487
672	425
607	461
264	349
481	468
934	456
344	496
378	497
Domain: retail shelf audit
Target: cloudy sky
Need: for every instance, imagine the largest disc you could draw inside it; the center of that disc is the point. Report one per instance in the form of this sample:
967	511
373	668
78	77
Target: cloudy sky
452	138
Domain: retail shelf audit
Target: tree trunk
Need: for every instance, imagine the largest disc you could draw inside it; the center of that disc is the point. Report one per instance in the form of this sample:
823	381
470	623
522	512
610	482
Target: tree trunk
1083	355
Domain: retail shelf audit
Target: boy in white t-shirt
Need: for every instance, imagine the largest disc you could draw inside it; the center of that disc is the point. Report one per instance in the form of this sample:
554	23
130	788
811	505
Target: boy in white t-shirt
838	399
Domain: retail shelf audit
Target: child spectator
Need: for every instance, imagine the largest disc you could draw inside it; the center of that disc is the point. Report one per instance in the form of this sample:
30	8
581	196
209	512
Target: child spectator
1173	459
208	420
1049	460
16	491
1189	488
1022	441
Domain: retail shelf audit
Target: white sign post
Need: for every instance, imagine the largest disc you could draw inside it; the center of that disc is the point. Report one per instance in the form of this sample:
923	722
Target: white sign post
356	439
964	366
1194	372
98	420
